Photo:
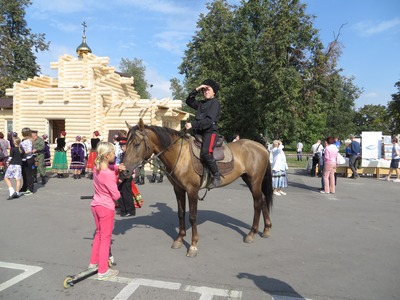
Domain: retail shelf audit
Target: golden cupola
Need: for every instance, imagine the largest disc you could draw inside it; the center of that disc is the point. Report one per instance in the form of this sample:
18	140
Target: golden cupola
83	48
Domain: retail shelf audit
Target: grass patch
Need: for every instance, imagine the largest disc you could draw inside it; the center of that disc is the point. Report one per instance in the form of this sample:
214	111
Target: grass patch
291	159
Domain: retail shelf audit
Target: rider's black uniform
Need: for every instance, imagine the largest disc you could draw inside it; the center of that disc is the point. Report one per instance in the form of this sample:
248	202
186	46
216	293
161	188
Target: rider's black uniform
206	124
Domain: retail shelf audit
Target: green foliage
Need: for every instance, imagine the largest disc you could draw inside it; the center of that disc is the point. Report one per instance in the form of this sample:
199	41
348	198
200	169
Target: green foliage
136	69
17	61
372	118
178	90
275	76
394	112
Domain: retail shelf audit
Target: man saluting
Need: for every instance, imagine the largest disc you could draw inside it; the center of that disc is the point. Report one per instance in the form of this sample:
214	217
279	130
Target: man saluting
208	113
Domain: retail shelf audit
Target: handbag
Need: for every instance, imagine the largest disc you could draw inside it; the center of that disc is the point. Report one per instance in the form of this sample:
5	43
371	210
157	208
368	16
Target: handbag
340	160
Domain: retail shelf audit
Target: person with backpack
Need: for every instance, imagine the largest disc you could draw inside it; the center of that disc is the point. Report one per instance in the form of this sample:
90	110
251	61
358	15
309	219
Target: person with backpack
316	151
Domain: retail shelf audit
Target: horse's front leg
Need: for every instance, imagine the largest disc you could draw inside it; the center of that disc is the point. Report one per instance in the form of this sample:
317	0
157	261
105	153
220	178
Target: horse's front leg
193	198
181	201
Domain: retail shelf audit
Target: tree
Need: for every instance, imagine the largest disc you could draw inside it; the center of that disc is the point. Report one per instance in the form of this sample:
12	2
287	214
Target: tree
178	90
136	69
273	70
372	118
17	61
394	112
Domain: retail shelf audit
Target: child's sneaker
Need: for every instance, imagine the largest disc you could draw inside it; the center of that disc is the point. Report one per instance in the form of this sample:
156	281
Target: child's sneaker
107	275
28	193
92	266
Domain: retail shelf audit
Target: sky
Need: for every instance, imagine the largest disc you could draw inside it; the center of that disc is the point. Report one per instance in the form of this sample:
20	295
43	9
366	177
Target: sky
157	32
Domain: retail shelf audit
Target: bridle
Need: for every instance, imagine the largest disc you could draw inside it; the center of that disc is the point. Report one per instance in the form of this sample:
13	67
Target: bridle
141	134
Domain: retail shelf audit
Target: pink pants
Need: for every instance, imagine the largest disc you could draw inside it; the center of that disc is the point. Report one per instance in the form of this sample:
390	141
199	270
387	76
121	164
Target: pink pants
104	219
329	177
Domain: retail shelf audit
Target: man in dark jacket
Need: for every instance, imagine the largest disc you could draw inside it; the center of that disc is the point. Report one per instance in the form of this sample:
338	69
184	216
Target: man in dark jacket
355	151
206	124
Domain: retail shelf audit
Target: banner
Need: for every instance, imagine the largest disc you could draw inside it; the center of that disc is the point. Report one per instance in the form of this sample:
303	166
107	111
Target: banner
371	146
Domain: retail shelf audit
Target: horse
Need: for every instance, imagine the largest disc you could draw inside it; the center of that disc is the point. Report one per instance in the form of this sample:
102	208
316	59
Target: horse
251	162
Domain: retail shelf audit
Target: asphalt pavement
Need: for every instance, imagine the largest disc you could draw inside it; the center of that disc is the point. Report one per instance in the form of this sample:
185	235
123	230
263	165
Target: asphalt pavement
336	246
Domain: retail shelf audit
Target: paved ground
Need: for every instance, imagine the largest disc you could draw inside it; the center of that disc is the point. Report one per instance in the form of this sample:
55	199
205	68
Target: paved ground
342	246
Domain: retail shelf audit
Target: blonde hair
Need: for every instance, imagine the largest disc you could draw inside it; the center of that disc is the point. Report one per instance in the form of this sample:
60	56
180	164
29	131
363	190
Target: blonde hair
102	149
276	143
17	142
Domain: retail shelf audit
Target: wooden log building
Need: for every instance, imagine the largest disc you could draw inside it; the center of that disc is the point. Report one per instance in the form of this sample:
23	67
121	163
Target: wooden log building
87	95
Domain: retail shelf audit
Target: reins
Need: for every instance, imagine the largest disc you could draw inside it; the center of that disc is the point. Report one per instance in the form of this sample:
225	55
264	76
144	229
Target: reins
182	134
152	158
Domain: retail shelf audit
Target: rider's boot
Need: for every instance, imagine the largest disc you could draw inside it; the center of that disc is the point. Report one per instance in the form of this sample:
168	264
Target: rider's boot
216	175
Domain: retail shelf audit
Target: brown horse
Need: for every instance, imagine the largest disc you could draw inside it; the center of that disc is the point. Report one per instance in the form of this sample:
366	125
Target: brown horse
251	162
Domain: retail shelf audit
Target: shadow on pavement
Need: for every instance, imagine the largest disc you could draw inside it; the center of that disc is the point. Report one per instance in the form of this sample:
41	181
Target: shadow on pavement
271	285
167	220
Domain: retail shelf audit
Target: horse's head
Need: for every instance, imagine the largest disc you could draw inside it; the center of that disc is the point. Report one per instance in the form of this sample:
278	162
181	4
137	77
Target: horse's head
138	148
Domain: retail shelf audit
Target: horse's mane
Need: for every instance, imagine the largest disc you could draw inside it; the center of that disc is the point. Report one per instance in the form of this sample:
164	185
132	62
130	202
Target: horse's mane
165	135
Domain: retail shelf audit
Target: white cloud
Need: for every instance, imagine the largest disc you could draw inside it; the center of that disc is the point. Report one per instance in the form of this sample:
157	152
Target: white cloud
371	95
160	6
66	27
368	28
172	41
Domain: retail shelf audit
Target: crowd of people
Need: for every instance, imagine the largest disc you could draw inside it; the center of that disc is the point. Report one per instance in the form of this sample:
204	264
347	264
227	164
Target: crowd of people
25	159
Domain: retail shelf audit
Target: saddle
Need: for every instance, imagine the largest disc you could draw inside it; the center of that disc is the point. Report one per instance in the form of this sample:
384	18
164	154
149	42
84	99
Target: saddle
222	154
218	150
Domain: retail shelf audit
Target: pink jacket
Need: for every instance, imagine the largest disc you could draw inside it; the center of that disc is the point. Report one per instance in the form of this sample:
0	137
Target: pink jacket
331	153
105	188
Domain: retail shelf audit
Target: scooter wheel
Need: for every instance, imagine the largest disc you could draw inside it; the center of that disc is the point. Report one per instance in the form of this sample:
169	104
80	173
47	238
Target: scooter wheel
68	282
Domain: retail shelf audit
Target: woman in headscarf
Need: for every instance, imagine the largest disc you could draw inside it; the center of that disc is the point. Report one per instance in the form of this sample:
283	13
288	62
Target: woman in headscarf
93	154
77	157
60	164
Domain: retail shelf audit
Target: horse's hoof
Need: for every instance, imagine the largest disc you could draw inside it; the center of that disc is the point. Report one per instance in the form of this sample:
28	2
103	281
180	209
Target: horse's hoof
249	239
266	234
176	245
192	252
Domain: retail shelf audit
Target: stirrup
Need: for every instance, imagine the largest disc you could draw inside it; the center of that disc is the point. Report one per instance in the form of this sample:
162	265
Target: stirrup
215	182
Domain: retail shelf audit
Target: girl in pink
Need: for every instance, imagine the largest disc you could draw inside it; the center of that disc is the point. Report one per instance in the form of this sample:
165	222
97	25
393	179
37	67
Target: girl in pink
330	156
103	209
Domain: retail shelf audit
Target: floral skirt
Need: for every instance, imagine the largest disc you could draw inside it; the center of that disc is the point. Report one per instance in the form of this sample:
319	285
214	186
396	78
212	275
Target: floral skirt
14	171
279	179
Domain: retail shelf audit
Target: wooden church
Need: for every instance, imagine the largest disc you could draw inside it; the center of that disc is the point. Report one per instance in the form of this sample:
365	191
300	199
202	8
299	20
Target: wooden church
86	96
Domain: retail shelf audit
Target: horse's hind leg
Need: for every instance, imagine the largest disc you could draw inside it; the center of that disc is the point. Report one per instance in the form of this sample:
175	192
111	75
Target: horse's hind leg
267	221
181	201
255	188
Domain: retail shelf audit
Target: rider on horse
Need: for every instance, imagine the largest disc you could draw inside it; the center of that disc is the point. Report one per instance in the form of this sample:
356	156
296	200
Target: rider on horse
206	124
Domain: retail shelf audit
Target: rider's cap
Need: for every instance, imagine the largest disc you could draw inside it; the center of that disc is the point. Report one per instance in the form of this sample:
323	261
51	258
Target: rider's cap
212	84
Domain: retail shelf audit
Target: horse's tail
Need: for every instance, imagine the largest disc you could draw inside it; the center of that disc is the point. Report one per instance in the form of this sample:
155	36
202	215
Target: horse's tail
267	186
